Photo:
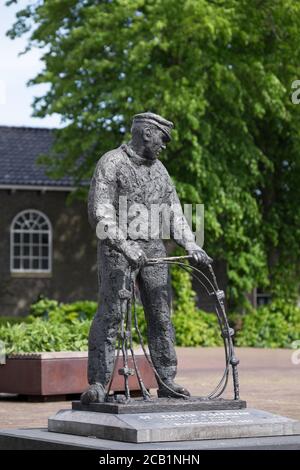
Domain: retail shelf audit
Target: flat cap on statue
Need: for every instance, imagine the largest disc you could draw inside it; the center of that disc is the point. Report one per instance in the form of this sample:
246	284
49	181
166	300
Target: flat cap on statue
158	121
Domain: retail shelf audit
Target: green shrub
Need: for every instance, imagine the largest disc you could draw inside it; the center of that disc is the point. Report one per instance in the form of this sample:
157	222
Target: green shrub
63	313
275	325
66	326
184	297
43	336
142	325
196	328
43	307
57	326
50	326
193	327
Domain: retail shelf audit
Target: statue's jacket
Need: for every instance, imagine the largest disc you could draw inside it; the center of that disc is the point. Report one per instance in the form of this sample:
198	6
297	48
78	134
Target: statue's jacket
132	198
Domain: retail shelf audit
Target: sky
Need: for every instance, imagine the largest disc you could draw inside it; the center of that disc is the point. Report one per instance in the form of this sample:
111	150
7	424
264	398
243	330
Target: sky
15	96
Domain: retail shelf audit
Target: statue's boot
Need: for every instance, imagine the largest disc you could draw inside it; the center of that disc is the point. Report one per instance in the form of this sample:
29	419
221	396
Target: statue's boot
170	389
94	394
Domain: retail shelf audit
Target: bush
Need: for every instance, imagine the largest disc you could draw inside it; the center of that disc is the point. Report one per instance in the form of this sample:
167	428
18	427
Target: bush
196	328
43	336
142	325
184	297
57	326
63	313
64	327
193	327
50	326
275	325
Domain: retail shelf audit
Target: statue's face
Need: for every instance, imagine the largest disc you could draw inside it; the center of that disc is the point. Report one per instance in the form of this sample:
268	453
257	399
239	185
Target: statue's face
155	141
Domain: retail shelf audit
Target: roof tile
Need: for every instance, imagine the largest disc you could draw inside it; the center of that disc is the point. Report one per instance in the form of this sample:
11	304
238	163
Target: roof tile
19	149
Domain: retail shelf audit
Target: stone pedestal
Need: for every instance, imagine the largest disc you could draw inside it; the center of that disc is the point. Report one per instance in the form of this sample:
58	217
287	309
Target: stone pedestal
171	424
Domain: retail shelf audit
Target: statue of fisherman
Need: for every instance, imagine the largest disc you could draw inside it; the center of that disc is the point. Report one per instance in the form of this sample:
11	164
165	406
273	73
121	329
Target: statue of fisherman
133	171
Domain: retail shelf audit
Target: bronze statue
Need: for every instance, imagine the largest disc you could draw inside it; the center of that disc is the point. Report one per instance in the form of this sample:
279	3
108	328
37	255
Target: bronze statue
134	172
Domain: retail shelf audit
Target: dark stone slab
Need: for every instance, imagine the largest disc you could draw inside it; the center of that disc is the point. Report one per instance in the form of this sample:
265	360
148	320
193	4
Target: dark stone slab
157	405
41	439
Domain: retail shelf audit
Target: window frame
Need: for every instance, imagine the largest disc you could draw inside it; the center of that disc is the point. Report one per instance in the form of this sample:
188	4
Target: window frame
13	231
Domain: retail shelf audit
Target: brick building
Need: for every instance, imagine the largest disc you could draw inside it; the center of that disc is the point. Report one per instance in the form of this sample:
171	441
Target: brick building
46	245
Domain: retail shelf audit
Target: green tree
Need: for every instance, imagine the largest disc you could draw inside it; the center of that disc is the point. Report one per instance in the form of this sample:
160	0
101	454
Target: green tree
222	71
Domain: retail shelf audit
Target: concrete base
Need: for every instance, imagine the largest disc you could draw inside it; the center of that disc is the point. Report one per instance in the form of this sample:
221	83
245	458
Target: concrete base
173	426
41	439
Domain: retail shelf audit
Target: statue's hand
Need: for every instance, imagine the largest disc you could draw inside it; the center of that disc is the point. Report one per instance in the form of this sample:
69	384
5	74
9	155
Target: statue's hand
199	255
134	255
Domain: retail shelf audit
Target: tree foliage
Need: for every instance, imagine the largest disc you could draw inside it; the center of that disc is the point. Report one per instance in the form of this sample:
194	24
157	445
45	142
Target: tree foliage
222	71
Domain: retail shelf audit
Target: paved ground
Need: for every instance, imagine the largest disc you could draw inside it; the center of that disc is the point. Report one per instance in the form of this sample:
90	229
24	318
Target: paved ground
268	379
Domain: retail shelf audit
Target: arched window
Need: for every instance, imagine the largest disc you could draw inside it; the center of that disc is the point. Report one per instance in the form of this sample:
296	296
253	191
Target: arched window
31	242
